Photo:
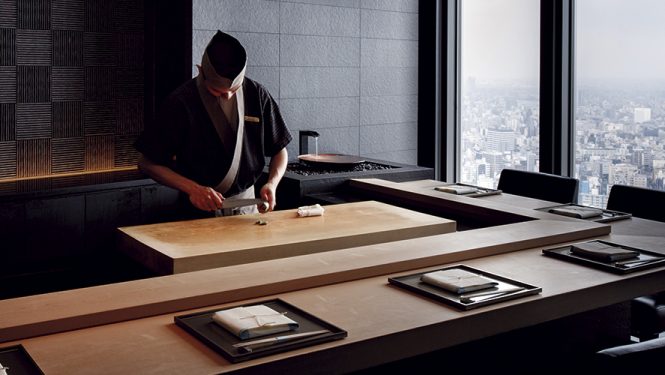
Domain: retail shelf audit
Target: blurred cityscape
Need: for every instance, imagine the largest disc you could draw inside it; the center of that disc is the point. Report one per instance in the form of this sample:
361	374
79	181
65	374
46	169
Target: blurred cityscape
619	136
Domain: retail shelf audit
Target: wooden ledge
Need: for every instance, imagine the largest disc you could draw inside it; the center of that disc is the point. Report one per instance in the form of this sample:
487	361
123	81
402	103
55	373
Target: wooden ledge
74	309
489	210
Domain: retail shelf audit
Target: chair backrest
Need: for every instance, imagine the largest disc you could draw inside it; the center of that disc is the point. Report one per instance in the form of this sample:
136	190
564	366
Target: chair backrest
545	186
635	358
640	202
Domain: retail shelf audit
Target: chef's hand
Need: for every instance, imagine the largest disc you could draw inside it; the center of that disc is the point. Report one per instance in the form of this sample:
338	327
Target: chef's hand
206	198
269	194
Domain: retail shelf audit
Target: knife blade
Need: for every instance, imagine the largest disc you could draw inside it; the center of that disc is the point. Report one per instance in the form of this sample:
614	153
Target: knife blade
235	203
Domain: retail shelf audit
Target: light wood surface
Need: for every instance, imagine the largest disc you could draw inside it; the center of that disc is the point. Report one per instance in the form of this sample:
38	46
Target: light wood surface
185	246
469	212
375	314
503	198
491	210
73	309
128	327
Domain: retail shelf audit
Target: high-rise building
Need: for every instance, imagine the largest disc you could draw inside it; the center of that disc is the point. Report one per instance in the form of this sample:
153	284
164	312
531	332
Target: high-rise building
501	140
623	174
642	115
531	162
640	180
495	162
593	200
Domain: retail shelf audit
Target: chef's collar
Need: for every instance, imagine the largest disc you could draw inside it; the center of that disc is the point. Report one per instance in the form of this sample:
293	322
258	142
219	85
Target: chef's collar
224	61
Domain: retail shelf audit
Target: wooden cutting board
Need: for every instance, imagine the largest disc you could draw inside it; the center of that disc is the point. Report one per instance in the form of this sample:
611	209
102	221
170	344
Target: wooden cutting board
185	246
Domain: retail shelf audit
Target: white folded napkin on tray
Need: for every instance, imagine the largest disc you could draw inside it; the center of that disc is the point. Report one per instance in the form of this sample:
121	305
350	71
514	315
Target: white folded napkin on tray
577	211
457	280
602	251
457	189
253	321
315	210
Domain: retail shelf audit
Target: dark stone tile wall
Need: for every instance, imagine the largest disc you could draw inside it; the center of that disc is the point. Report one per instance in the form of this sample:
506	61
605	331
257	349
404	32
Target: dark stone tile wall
71	77
345	68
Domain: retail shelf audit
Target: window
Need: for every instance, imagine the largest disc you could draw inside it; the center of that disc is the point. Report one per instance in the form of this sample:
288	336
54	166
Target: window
619	97
500	51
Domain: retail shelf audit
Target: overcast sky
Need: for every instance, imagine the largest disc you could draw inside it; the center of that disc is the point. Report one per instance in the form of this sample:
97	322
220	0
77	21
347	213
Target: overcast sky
616	39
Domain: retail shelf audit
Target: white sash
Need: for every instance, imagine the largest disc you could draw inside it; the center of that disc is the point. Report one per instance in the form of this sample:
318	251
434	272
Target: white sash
224	130
224	186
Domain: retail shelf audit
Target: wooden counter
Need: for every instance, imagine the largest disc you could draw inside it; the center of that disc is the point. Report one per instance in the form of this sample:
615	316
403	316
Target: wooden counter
375	314
74	309
469	212
128	327
429	185
185	246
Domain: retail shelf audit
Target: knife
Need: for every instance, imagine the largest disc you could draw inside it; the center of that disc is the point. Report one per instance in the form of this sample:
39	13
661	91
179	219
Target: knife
255	344
235	203
636	262
469	298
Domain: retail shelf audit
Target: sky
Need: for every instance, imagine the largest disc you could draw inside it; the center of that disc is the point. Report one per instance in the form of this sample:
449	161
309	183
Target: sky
621	39
616	40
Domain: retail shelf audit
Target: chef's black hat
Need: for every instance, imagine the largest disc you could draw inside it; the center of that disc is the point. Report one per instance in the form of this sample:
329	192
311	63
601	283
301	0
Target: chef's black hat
227	56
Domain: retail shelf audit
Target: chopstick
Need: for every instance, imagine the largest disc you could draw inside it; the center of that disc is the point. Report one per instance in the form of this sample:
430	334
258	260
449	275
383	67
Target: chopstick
468	298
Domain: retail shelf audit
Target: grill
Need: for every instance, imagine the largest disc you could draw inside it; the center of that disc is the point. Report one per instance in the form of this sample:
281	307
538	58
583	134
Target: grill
306	184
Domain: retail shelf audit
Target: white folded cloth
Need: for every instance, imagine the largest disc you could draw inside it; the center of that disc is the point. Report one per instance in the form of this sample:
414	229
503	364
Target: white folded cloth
457	280
457	189
602	251
315	210
253	321
578	212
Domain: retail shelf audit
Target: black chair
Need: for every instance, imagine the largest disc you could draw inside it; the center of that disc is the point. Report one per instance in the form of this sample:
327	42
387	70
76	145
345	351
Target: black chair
635	358
647	316
544	186
640	202
647	312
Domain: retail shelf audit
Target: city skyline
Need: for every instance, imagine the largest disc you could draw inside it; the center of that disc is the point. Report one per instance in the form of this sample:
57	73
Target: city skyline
619	137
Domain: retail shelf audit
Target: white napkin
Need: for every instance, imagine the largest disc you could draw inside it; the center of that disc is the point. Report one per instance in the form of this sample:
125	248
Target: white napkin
578	212
315	210
253	321
602	251
457	280
457	189
3	369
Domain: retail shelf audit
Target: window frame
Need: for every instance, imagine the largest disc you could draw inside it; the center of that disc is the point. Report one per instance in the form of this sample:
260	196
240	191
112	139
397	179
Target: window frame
556	88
